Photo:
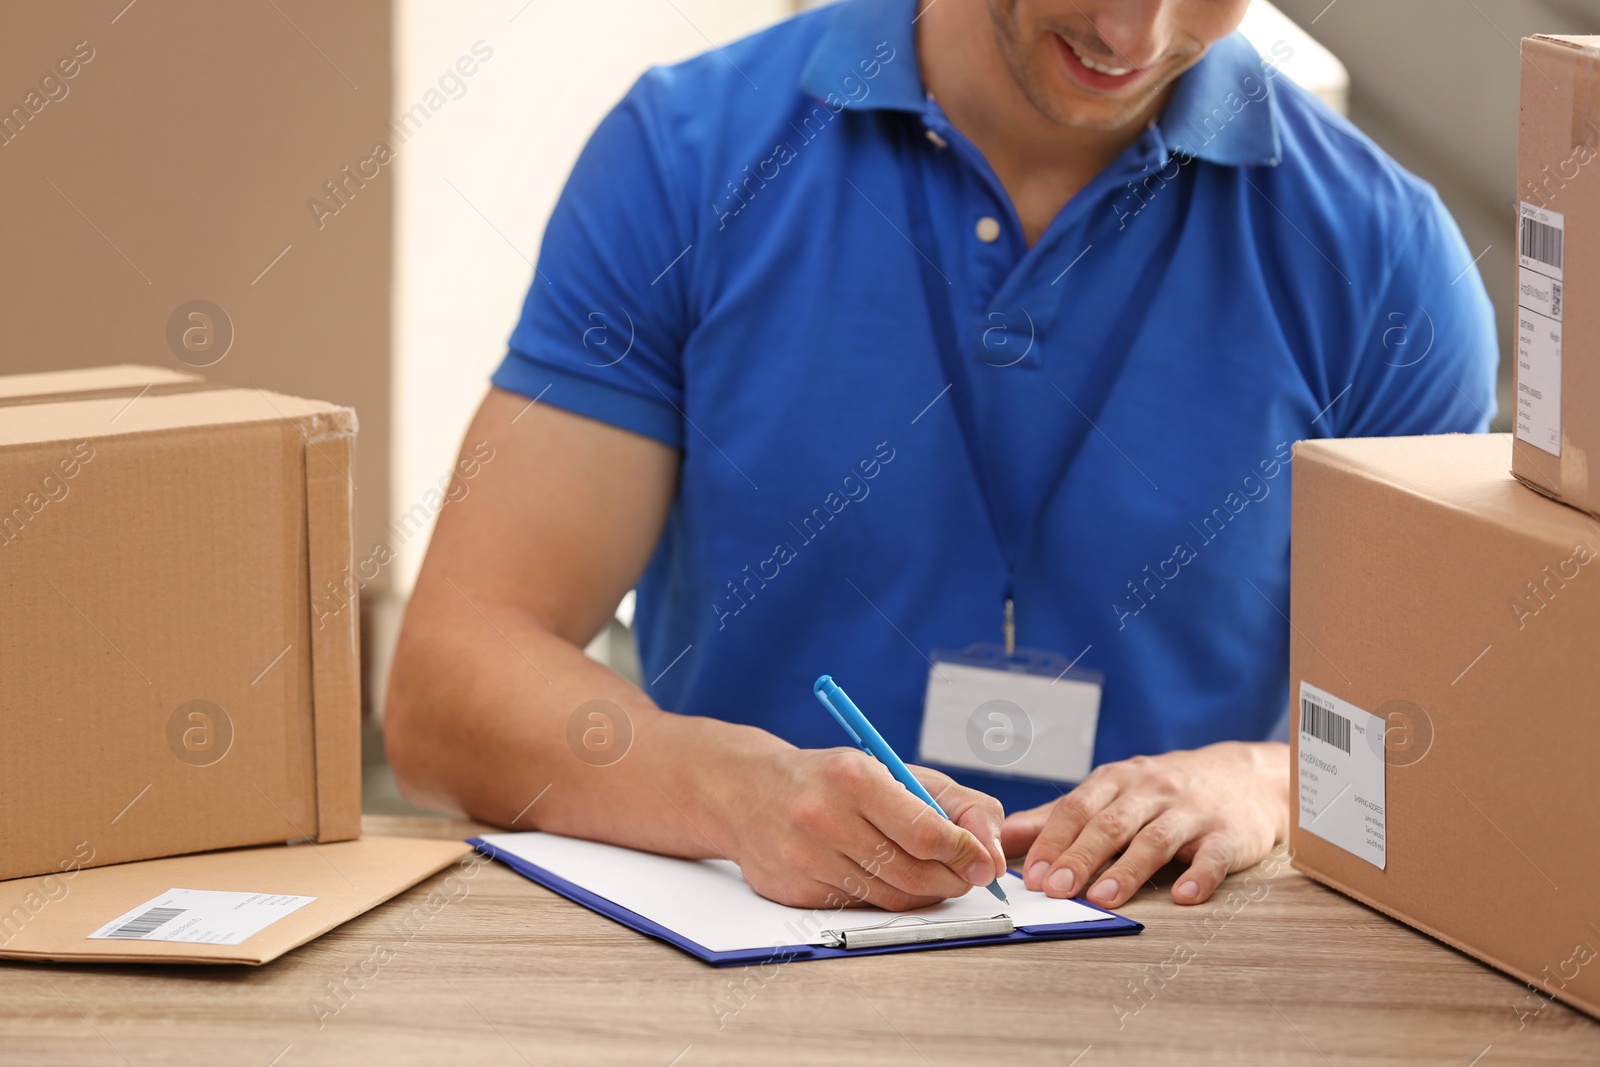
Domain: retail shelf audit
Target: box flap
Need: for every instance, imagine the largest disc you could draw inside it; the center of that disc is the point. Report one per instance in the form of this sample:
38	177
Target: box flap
335	641
51	917
1586	43
94	417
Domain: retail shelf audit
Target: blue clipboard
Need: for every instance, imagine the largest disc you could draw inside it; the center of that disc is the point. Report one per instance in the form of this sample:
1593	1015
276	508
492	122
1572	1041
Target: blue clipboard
1111	926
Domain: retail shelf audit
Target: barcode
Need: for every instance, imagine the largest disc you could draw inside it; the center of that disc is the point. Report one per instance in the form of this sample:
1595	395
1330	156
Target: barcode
1325	725
1541	242
147	923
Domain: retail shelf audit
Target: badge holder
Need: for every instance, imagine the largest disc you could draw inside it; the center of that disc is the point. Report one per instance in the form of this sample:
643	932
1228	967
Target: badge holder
1029	715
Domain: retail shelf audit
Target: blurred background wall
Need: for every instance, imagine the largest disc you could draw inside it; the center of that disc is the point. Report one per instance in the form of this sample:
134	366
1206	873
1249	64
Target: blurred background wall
230	153
1435	83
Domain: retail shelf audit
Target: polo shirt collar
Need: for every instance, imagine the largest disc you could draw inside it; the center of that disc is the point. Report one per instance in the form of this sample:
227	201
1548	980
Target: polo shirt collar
855	31
1227	87
1222	109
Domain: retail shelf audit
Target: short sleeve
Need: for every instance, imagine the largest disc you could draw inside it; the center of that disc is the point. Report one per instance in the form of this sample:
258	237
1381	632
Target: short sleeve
606	316
1429	357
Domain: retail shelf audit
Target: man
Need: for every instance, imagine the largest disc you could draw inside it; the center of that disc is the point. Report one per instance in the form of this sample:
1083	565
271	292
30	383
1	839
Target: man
872	335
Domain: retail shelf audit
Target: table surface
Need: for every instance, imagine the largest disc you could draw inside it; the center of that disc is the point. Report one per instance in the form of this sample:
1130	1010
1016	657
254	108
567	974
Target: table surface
1276	969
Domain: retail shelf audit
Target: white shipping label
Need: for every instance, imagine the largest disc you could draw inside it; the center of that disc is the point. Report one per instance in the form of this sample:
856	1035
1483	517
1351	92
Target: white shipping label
1540	281
1342	775
203	916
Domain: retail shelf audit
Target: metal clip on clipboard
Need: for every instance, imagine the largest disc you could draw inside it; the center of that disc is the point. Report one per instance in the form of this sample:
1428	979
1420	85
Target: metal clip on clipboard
914	929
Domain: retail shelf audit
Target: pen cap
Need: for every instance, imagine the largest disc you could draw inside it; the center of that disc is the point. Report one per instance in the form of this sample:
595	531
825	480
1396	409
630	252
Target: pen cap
861	731
833	698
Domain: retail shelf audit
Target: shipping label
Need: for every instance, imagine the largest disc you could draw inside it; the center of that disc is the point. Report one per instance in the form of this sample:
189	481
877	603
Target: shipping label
1540	280
1342	775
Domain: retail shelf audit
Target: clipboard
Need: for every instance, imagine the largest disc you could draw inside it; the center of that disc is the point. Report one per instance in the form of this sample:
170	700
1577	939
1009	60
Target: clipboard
826	934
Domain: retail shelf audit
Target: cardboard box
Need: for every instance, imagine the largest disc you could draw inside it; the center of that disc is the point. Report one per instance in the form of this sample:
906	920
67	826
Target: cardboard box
1445	623
173	682
54	917
1558	277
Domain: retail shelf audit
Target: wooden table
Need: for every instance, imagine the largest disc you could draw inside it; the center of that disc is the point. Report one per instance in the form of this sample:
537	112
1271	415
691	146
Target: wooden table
509	973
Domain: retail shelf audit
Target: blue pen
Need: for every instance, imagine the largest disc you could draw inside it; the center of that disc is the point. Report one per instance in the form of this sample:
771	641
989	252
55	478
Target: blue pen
867	738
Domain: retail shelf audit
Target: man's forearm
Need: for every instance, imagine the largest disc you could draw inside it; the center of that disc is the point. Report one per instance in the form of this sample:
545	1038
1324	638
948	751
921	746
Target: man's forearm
478	719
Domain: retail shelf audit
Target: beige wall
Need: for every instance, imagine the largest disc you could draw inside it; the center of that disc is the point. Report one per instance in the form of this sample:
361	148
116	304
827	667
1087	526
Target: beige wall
479	180
178	166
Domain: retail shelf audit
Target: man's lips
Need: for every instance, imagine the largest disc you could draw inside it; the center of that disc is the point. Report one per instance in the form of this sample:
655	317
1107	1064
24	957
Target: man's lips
1107	79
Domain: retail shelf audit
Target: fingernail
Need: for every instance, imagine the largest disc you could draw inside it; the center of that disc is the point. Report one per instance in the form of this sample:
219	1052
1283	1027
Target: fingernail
1036	873
980	871
1105	889
1188	890
1061	882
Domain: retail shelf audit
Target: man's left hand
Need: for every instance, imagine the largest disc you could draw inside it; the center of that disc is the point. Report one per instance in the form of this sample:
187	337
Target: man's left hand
1219	809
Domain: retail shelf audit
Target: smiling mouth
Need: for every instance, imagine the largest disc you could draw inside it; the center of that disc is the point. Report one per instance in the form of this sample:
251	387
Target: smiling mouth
1097	66
1096	76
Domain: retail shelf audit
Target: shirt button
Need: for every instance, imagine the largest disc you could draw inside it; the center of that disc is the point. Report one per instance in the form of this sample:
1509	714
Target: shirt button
988	229
938	142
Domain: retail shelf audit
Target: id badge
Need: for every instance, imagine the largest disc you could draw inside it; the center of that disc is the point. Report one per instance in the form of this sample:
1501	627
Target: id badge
1026	716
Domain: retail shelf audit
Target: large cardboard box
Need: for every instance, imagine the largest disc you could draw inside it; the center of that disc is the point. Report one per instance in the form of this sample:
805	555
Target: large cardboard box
172	682
1443	664
1558	277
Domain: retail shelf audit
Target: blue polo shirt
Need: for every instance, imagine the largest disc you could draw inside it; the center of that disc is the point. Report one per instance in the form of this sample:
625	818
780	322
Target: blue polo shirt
781	259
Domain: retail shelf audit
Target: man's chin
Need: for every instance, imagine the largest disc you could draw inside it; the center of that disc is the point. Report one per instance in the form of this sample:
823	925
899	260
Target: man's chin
1078	111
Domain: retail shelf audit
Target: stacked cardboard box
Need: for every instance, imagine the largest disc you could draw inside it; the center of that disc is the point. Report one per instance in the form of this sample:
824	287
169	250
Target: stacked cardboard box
169	686
1443	665
1446	618
166	689
1558	244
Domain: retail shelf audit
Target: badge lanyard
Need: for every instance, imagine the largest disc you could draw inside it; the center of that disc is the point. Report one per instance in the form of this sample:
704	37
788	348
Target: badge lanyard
946	335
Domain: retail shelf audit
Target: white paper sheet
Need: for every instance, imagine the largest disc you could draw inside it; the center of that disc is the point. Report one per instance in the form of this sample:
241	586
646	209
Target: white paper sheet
708	902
